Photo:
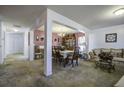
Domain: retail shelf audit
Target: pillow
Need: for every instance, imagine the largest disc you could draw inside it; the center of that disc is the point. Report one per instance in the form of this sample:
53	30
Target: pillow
97	51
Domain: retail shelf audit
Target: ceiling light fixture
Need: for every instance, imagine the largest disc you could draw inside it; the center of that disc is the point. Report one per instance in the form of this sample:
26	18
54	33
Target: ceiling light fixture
119	11
16	30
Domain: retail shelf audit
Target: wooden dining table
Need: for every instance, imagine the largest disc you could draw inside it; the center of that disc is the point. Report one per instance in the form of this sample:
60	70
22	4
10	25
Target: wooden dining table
66	52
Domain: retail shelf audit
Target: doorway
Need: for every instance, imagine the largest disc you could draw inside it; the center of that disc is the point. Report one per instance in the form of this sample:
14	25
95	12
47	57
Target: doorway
14	46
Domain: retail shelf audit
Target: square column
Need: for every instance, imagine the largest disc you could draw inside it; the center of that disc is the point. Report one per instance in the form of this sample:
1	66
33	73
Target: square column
31	46
26	47
48	47
1	43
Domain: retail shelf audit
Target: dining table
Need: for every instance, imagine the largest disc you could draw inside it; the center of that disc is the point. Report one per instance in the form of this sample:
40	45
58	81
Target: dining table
66	52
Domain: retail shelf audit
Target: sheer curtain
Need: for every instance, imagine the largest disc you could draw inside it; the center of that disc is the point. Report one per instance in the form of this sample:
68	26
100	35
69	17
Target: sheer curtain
82	43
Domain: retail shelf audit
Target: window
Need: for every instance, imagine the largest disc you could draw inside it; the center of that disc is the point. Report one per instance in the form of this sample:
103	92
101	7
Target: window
82	43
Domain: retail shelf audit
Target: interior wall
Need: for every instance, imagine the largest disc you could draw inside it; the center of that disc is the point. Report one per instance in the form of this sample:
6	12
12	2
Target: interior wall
41	34
14	43
97	37
38	35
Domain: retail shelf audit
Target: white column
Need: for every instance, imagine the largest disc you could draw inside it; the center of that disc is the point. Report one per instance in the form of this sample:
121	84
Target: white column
1	43
5	44
26	44
31	46
48	46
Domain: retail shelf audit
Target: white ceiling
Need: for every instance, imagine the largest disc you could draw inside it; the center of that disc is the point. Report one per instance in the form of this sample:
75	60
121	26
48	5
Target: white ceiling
91	16
58	28
24	15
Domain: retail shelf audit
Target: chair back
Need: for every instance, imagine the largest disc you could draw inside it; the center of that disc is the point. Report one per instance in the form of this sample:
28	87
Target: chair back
76	53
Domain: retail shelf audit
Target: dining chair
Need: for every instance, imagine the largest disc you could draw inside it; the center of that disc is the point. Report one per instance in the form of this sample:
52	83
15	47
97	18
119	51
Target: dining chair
72	57
54	54
58	57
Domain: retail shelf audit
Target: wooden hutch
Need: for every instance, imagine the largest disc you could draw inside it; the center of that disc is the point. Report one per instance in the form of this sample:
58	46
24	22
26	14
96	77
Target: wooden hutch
69	41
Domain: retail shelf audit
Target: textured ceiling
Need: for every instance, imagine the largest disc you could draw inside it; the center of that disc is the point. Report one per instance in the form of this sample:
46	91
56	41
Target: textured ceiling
91	16
21	14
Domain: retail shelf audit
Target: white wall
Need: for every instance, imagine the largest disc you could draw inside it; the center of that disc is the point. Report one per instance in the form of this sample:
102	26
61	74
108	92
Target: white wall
97	37
14	43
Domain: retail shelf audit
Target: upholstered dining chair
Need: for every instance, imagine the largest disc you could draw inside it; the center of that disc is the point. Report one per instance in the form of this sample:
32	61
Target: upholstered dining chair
59	57
72	57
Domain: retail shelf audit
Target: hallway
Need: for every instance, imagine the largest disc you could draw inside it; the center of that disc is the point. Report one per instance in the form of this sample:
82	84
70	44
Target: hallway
15	57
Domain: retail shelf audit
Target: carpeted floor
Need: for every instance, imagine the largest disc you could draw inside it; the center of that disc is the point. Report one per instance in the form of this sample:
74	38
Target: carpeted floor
21	73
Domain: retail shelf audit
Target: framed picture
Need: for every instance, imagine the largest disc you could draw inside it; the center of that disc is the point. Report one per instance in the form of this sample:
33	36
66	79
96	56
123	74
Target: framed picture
42	38
55	39
37	38
110	38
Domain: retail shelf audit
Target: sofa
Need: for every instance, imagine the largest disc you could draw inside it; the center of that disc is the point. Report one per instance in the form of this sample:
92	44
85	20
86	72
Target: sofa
118	54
